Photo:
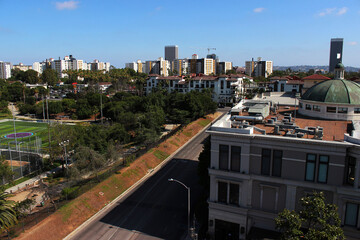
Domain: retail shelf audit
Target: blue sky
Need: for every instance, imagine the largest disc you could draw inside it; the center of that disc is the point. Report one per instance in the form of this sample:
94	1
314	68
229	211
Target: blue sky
291	32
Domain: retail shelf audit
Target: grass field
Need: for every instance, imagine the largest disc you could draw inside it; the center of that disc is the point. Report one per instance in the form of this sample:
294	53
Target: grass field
39	129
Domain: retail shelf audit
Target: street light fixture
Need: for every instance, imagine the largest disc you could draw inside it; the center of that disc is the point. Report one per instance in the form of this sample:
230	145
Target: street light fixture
64	143
188	190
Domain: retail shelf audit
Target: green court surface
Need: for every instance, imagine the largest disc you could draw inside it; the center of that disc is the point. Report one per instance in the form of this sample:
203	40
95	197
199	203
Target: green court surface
38	129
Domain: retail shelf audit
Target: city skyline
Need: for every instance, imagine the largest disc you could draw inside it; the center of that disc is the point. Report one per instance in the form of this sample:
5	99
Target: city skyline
288	33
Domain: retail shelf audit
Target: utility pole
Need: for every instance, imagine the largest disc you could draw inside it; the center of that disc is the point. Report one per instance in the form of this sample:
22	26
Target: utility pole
47	110
43	105
101	110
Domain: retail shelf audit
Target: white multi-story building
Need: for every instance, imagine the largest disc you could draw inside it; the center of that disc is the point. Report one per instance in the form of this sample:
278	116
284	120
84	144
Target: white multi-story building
39	67
132	65
5	70
225	89
59	66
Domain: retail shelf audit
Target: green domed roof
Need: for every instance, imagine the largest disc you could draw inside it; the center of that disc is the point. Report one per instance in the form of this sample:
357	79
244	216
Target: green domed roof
334	91
340	65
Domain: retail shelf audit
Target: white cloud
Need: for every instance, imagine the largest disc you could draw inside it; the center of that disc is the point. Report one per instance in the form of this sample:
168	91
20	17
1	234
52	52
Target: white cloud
258	10
67	5
352	43
327	12
333	11
342	11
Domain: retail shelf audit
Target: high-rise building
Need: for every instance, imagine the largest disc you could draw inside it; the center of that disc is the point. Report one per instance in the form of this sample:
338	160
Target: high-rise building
258	68
336	49
5	70
171	53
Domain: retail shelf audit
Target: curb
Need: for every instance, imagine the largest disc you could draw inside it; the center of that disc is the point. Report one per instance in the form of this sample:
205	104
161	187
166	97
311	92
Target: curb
138	183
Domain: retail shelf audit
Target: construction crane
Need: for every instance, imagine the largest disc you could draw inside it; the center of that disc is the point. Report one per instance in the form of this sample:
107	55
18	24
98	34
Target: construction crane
210	49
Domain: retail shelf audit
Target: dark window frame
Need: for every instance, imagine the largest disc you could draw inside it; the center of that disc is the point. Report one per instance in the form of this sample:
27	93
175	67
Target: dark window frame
350	165
232	168
220	200
264	171
316	108
357	214
273	163
221	156
327	168
306	164
331	109
307	106
356	110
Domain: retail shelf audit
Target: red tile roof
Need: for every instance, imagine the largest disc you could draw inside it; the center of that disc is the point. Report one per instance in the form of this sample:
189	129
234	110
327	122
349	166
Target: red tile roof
316	77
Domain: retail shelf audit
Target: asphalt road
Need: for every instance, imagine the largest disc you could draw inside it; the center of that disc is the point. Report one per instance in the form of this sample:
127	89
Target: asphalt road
158	208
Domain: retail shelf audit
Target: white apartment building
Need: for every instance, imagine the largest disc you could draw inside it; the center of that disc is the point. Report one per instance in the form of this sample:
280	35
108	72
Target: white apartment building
39	67
226	89
5	70
132	65
59	66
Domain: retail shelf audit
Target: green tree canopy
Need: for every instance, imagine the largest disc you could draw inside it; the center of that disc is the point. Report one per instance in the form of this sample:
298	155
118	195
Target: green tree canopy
320	220
49	76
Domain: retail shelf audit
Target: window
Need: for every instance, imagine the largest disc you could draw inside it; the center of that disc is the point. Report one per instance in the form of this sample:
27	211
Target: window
356	110
351	214
235	158
316	108
228	193
273	167
323	168
277	163
223	157
350	171
310	167
222	84
300	105
234	194
342	110
331	109
308	107
265	161
222	192
228	84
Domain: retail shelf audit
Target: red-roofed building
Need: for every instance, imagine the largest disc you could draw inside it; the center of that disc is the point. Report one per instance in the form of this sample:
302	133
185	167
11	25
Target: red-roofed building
311	80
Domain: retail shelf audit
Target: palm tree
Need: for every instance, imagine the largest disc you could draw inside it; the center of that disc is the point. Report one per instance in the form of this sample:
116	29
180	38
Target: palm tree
7	212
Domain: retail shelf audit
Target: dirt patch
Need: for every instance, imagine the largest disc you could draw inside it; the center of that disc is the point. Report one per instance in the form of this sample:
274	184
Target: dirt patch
17	163
73	214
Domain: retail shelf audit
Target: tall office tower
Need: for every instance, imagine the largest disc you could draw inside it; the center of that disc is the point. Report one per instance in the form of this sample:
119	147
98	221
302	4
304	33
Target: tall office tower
171	53
336	49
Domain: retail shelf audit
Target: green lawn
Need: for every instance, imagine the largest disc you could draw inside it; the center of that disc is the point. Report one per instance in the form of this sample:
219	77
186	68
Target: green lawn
38	129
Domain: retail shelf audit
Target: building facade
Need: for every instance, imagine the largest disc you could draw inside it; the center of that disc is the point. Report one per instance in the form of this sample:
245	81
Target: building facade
171	53
258	68
225	89
259	169
336	50
5	70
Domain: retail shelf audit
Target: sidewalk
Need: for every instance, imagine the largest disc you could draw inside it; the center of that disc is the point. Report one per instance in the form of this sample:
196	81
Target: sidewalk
31	181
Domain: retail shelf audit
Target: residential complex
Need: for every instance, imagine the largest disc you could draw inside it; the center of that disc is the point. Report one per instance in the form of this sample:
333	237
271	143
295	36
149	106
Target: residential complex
22	67
70	63
336	50
226	88
263	160
172	65
5	70
259	68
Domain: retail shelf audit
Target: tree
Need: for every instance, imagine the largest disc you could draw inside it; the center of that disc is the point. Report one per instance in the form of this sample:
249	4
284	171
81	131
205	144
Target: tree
31	76
320	220
49	76
87	160
6	174
7	212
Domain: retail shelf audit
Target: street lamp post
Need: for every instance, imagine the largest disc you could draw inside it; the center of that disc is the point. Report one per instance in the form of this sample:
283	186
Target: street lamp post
64	143
188	190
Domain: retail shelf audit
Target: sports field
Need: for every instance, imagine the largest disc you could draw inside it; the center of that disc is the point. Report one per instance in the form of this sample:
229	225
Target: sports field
38	129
